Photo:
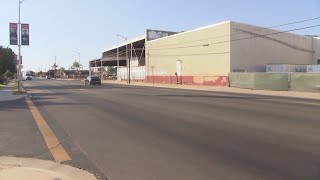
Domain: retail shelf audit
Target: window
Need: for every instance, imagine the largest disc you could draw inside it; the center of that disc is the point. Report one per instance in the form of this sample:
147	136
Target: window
318	61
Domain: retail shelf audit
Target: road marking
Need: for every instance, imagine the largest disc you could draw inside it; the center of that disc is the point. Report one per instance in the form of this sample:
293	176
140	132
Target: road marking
56	149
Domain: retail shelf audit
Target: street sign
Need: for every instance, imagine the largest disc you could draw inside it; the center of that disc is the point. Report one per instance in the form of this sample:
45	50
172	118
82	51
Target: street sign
25	34
13	28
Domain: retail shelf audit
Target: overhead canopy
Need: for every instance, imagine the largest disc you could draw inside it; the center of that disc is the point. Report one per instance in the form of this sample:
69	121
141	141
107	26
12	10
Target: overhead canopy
129	50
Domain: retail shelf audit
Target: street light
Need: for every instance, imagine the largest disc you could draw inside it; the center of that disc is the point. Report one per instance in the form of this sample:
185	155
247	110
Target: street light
19	50
118	64
128	62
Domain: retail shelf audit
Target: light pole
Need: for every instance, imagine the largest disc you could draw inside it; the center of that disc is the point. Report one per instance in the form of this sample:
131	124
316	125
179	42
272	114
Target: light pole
101	75
118	64
128	62
19	50
55	67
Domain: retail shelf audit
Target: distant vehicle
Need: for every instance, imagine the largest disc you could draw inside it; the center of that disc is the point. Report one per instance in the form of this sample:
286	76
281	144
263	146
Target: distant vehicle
47	77
92	80
26	75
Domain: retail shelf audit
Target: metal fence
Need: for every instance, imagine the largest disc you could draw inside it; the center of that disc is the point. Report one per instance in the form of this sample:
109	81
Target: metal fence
304	82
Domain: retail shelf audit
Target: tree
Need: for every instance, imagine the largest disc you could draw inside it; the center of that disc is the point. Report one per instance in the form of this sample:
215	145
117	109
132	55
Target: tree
76	66
8	74
62	69
7	64
6	60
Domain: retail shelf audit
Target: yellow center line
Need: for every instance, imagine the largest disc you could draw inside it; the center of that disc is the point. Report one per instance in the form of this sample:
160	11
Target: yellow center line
56	149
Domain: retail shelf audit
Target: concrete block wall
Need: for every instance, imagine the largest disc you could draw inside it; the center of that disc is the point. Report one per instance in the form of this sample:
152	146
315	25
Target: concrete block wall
201	63
251	53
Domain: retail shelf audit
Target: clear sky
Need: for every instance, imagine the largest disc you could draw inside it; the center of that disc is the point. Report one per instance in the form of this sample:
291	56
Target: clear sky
60	27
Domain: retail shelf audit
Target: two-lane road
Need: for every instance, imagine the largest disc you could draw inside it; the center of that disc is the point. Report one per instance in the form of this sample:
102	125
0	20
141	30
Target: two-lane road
130	132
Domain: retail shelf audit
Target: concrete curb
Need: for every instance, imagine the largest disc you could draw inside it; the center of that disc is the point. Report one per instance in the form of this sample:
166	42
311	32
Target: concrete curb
12	168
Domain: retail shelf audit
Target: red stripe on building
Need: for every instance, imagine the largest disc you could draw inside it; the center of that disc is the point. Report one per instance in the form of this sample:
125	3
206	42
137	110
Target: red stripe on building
190	80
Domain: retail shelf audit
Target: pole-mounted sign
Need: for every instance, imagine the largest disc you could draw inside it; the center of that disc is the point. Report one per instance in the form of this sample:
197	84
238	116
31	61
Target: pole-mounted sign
13	33
25	34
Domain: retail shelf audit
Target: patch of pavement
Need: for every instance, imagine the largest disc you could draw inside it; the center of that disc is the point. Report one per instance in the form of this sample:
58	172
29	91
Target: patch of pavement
7	95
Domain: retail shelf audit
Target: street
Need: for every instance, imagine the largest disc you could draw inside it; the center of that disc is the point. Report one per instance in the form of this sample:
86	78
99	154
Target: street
134	132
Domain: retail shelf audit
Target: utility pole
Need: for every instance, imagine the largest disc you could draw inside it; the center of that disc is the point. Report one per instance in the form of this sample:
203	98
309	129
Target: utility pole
130	62
128	75
79	56
101	75
19	50
55	67
118	58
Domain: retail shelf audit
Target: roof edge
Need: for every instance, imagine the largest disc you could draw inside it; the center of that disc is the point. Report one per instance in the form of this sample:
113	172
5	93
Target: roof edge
193	30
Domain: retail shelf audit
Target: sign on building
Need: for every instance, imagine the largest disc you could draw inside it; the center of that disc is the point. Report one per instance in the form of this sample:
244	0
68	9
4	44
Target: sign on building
156	34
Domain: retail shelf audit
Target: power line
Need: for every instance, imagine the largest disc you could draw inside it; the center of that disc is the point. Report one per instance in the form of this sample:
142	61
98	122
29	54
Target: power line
216	37
262	35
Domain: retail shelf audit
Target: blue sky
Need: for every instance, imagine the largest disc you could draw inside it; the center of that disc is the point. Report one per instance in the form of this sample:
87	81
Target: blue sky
59	27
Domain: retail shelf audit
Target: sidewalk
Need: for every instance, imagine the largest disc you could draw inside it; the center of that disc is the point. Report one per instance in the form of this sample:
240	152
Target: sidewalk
6	93
292	94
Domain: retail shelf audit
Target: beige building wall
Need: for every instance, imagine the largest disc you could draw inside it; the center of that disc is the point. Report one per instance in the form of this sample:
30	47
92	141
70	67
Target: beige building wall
316	47
253	54
193	48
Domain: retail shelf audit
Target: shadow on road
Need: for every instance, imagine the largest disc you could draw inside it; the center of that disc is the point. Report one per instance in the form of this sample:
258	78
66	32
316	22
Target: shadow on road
38	101
80	86
11	105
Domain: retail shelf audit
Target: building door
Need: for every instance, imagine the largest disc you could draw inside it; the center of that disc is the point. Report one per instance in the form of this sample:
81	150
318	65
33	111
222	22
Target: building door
179	71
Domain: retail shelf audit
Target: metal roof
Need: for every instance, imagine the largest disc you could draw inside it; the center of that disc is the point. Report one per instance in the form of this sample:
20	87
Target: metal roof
123	43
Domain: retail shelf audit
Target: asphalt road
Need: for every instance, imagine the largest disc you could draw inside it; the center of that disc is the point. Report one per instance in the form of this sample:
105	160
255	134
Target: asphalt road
130	132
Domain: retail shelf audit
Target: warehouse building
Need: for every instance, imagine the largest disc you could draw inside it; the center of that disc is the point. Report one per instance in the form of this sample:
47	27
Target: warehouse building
206	56
129	50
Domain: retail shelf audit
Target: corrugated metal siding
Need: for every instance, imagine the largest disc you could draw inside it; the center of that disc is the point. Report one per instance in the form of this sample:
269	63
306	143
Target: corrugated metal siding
276	68
137	73
313	68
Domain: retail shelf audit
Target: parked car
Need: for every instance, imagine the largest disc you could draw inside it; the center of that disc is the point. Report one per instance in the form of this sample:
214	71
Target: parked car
47	77
92	80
